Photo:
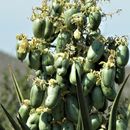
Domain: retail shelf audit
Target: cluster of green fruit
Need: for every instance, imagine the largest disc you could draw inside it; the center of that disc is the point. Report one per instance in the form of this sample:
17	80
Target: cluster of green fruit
67	42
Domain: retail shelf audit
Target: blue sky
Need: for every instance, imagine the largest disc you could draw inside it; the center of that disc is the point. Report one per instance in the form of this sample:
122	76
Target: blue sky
14	16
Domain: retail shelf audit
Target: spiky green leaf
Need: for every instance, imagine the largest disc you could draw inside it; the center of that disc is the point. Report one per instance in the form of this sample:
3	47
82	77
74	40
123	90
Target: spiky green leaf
16	86
22	123
83	105
12	121
112	118
79	124
1	127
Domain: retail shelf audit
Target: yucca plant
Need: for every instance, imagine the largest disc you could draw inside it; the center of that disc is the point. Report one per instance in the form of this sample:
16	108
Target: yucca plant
76	70
7	90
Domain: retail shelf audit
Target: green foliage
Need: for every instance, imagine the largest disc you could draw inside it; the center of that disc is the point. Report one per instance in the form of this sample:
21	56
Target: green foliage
8	95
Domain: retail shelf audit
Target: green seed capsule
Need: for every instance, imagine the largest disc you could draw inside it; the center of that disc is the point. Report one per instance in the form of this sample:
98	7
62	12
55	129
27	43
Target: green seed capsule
95	51
65	63
48	63
50	69
48	28
97	98
120	75
44	121
122	55
22	48
61	60
53	93
96	120
38	28
34	60
58	61
61	71
79	19
47	58
61	63
88	81
72	76
56	8
36	96
71	108
67	126
94	20
108	76
24	110
62	39
20	56
32	121
87	66
68	15
76	66
108	92
121	125
105	106
61	80
58	111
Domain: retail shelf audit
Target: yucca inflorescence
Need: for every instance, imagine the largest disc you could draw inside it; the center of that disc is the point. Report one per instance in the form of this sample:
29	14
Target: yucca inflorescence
76	69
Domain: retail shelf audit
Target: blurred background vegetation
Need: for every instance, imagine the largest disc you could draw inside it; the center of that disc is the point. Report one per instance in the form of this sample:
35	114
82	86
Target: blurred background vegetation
23	73
7	92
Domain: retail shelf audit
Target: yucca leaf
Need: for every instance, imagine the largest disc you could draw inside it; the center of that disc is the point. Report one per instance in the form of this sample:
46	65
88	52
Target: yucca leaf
16	86
128	112
1	127
12	121
112	118
79	124
83	105
22	123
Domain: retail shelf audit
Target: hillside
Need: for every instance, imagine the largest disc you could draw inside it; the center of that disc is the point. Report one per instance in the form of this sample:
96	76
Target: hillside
20	69
6	60
7	93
